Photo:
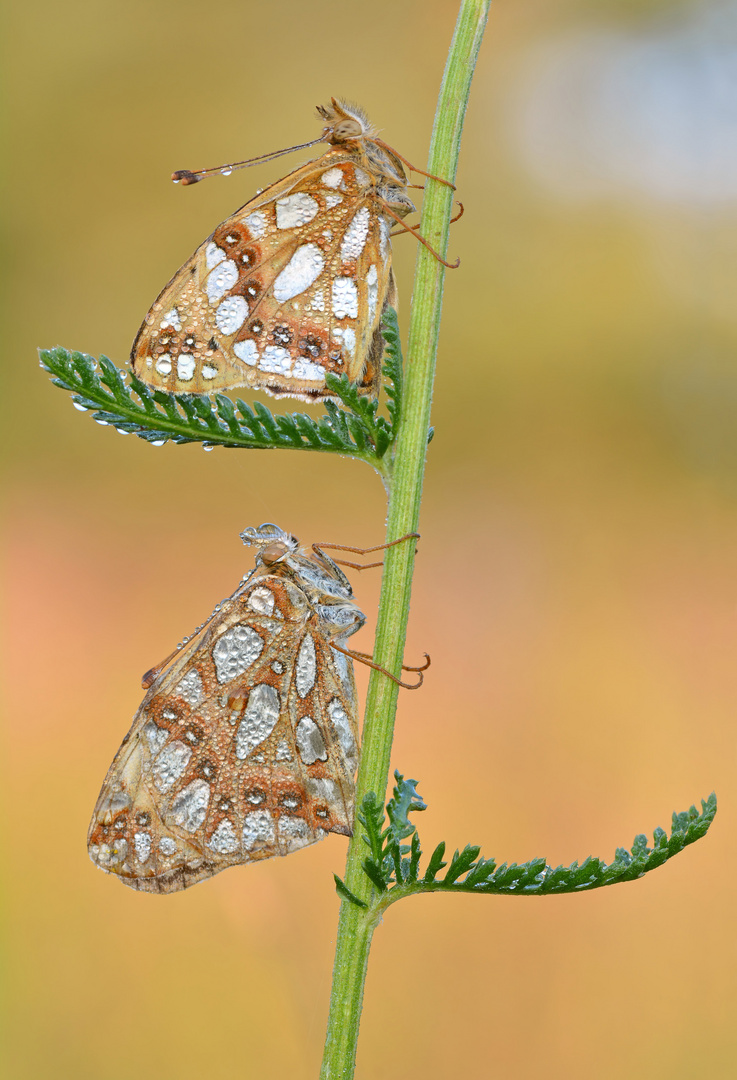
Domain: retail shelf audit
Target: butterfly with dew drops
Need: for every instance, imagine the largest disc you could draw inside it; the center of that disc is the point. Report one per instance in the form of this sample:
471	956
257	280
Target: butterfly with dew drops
294	284
246	744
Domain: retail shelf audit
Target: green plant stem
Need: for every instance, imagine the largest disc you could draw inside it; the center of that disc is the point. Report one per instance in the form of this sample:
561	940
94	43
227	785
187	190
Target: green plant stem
356	926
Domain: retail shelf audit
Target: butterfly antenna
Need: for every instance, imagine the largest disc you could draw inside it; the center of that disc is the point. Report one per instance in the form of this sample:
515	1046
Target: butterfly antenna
188	176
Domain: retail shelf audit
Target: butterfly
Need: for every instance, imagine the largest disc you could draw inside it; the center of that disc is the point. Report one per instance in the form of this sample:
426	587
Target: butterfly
246	744
294	284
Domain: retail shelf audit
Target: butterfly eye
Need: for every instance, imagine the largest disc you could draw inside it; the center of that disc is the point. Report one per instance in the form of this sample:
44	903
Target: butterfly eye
347	129
272	553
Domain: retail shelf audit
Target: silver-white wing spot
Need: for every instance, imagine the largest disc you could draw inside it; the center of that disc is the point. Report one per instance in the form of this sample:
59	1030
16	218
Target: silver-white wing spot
258	829
304	267
372	280
185	367
256	223
349	340
294	832
155	736
163	364
342	728
319	787
235	651
384	229
276	359
142	844
246	351
306	666
190	688
170	764
111	806
259	719
354	238
167	846
190	806
262	601
171	319
295	210
344	673
310	742
305	369
213	256
345	298
283	753
109	854
333	178
219	280
224	840
231	314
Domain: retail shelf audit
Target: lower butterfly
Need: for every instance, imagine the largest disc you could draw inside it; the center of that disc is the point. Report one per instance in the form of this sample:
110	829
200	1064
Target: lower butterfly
246	743
293	285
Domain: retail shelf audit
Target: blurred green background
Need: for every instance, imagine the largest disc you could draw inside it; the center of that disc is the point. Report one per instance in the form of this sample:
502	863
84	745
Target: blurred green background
577	582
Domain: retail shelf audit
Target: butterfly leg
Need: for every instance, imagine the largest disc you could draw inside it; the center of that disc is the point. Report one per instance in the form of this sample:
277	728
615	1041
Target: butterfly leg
363	659
414	167
451	266
362	551
405	667
459	215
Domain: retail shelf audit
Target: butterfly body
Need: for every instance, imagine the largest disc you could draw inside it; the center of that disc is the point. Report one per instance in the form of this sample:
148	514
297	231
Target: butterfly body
245	746
291	286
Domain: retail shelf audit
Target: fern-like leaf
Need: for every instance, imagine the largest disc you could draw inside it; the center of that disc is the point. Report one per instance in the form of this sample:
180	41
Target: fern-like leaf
118	399
396	876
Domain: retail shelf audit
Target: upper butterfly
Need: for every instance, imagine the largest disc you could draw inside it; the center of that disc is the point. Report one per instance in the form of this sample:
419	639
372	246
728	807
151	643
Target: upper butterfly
293	285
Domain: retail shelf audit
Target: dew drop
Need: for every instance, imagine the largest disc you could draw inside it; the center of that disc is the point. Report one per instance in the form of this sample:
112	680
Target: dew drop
226	170
157	442
102	423
207	446
81	408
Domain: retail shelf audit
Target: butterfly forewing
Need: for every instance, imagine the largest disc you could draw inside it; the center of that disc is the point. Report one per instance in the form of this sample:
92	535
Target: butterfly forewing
244	748
290	287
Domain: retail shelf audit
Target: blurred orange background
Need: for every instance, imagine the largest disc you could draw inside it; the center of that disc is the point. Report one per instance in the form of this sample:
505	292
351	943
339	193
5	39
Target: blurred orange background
577	579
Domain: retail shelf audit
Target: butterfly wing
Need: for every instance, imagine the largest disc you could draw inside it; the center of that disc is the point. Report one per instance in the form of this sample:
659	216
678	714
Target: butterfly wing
244	748
290	286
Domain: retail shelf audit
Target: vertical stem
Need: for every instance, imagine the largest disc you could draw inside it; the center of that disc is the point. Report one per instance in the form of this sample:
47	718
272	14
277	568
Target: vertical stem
355	926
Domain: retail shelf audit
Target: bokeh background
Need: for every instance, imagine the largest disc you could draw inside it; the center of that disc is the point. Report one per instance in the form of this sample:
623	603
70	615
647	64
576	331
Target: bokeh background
577	583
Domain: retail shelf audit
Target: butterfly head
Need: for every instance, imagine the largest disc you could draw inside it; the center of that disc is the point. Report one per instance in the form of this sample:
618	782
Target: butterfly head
272	542
344	122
